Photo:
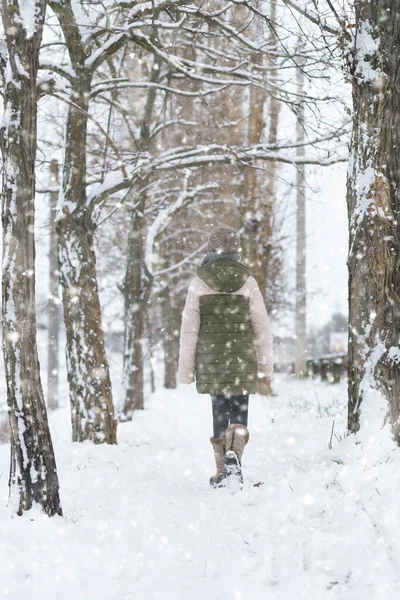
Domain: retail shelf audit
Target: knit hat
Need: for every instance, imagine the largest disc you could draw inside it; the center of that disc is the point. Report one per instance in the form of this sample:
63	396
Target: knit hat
223	239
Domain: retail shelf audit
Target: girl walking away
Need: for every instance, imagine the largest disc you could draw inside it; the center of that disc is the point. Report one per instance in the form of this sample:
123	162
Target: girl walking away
226	346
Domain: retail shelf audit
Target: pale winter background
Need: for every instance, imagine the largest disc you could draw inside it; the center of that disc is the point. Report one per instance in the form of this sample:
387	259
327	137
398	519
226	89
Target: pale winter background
158	121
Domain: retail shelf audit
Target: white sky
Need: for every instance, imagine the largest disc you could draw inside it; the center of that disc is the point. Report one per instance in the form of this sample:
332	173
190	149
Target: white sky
327	241
326	246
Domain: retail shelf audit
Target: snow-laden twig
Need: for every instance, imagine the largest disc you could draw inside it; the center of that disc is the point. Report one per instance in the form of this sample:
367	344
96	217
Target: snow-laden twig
125	83
313	17
163	217
213	154
182	262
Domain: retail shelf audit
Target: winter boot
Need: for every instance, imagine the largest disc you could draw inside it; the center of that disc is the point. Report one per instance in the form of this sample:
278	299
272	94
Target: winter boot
236	437
219	451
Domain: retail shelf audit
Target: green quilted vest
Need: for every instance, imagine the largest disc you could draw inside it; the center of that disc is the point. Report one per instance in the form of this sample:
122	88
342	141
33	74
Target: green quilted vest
226	361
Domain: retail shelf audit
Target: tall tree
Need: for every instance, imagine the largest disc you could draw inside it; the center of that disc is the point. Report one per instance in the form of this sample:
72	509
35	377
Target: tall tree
138	279
372	48
92	409
272	250
33	473
255	205
54	309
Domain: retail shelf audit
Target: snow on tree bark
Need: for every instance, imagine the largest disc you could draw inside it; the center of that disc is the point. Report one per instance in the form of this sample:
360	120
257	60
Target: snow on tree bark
137	288
138	280
255	207
33	473
374	211
92	409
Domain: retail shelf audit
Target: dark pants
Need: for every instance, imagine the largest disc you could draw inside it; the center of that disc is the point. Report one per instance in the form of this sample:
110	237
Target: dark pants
228	410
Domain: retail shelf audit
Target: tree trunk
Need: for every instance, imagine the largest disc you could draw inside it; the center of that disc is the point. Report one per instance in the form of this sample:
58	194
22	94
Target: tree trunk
54	309
254	209
271	168
259	192
151	352
137	287
301	292
33	473
171	325
138	282
259	205
374	212
92	409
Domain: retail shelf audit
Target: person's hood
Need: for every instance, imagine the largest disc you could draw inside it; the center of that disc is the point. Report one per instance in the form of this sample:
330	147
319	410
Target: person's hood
224	275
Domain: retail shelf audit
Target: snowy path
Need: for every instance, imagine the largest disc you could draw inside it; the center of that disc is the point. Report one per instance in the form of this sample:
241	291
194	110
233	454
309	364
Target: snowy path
141	523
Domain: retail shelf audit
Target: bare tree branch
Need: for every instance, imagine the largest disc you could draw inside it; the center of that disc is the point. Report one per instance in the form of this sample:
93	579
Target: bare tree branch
313	18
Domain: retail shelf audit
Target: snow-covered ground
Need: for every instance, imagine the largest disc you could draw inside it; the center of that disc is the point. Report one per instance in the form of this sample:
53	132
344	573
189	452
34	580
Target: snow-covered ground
141	523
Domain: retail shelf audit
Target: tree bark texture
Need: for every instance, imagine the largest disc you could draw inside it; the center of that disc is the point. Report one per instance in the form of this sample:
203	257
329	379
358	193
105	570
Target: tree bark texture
255	215
137	288
272	262
92	409
259	191
171	319
138	282
374	210
33	473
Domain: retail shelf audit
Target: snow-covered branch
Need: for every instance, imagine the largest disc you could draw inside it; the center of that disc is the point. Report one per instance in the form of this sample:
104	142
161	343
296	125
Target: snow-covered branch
314	17
164	216
211	155
125	83
182	262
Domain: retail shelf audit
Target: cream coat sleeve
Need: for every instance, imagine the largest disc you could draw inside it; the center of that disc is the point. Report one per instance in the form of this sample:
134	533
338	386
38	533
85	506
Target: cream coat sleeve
189	335
262	332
